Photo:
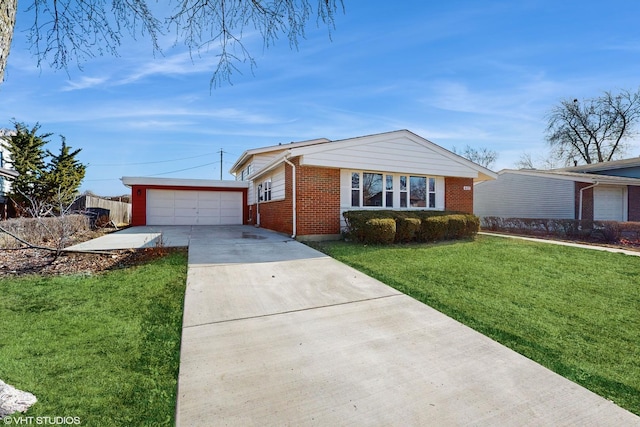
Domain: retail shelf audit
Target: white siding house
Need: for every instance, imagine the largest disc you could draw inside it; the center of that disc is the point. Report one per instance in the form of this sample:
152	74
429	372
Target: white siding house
520	194
558	194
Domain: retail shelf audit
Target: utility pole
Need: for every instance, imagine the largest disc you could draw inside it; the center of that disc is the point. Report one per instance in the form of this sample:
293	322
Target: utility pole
221	164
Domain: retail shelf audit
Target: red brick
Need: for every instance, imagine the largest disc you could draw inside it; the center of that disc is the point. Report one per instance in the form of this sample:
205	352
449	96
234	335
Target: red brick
456	198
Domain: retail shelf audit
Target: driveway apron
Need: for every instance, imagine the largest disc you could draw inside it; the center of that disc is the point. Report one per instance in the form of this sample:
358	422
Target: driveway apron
276	333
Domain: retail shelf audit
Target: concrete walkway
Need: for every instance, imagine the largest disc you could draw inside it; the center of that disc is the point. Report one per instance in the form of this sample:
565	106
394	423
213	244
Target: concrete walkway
276	333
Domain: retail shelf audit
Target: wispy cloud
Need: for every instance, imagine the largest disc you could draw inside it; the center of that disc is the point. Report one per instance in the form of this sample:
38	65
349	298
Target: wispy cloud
84	83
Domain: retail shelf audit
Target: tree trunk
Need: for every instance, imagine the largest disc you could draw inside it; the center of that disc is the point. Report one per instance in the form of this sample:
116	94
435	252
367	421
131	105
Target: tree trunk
7	24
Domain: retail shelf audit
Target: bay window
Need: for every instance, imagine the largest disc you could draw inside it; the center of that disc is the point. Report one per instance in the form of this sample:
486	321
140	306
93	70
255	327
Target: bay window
372	189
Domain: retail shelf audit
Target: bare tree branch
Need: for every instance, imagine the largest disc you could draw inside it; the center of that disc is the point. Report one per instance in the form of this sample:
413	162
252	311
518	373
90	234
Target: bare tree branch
594	130
68	31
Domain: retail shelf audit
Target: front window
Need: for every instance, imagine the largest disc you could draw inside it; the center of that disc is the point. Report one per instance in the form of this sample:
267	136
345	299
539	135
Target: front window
404	194
418	191
422	192
388	191
372	189
355	189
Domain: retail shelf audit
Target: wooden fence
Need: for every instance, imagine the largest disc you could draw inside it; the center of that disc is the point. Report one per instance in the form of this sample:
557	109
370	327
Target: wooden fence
119	212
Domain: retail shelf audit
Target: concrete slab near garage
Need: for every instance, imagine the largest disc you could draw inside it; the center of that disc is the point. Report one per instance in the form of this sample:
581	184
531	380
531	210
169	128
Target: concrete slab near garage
138	238
275	333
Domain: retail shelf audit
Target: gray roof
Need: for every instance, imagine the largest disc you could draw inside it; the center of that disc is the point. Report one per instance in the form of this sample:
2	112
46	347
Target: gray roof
575	176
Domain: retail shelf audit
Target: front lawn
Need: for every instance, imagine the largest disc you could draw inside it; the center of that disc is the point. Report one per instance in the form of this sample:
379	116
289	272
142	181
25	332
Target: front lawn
103	349
575	311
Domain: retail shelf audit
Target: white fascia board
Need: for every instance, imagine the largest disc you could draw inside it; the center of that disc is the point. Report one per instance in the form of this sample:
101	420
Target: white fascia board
130	181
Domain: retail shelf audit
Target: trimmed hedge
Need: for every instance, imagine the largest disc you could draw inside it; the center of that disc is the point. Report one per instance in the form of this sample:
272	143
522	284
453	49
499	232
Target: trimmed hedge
386	226
588	230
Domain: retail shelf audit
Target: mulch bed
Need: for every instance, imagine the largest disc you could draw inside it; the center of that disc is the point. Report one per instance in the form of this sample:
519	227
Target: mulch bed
20	262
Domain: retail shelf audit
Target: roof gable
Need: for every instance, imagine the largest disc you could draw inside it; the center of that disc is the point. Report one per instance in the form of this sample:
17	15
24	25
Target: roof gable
399	151
273	150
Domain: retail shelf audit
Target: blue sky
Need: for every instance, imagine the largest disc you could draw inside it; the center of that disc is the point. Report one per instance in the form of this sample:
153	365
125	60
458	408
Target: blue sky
478	73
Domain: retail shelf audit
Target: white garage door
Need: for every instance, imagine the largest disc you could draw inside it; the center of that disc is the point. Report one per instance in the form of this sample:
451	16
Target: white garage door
176	207
609	203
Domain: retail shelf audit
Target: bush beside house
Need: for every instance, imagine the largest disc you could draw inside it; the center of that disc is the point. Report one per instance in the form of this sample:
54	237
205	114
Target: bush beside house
386	226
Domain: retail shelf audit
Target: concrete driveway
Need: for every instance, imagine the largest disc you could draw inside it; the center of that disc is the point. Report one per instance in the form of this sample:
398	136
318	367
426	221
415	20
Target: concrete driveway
276	333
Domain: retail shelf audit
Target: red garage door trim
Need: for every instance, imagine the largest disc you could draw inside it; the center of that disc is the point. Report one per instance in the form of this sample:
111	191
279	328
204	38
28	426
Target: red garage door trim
139	199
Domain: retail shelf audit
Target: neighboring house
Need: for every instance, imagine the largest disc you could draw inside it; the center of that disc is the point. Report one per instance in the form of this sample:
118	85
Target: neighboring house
302	188
7	173
604	191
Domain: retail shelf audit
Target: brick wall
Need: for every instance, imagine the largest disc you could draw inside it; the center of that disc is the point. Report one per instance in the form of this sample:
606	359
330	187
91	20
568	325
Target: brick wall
456	198
587	201
633	213
318	200
318	203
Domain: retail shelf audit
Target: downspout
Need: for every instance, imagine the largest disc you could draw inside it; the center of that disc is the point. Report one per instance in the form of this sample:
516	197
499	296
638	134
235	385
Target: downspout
257	208
293	183
581	190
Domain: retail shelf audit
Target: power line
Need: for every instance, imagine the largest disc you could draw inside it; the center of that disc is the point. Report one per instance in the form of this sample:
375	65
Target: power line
186	169
150	163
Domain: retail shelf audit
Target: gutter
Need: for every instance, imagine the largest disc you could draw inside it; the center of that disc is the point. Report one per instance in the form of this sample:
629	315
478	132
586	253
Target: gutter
581	190
293	182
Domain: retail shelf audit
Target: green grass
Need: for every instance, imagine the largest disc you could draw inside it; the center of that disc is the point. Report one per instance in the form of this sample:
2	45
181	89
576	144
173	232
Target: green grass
575	311
102	348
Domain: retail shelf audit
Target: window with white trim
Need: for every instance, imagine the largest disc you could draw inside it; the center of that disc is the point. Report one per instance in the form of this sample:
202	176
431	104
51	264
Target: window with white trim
264	191
355	189
246	172
422	192
404	194
372	189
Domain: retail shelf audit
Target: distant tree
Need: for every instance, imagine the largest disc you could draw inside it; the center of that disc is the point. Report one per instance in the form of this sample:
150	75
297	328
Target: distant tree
45	179
594	130
65	31
63	175
483	156
527	161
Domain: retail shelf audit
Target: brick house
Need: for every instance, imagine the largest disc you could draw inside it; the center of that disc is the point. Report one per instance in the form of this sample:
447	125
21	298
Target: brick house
302	188
607	191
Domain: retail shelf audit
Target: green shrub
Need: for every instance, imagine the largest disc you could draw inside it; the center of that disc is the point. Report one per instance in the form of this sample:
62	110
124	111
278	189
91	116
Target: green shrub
379	230
375	226
433	229
407	229
473	225
456	227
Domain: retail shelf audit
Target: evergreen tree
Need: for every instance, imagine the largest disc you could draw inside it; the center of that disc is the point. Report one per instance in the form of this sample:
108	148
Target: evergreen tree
27	154
47	181
63	175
